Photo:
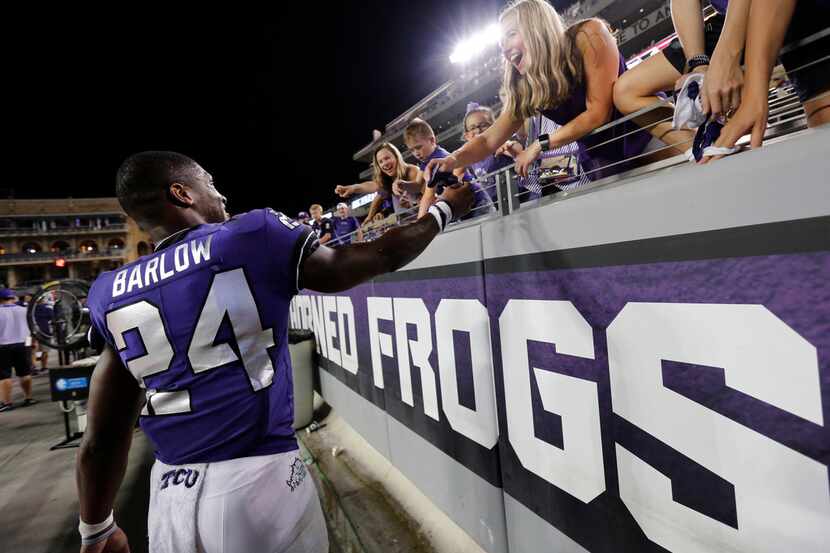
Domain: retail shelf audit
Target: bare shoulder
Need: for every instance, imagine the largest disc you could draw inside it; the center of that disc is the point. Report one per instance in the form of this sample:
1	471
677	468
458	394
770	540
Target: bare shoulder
594	41
590	32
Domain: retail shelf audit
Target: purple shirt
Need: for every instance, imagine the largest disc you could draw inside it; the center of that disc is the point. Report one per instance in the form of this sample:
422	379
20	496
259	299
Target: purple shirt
486	166
343	227
720	5
202	324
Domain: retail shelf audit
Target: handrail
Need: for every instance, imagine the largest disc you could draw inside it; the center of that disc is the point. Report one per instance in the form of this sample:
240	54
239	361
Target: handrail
8	231
69	256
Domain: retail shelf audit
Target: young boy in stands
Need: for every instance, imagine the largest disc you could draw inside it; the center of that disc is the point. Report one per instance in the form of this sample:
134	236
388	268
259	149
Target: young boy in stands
322	227
420	140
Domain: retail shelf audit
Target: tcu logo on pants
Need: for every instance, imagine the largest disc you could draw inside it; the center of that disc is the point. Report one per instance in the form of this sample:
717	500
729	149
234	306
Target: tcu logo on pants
188	477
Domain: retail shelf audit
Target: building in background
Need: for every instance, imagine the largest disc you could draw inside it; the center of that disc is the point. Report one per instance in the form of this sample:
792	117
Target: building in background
42	240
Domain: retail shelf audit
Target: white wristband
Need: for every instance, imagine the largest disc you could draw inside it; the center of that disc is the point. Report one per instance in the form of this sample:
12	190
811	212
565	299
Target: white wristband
445	207
442	212
94	533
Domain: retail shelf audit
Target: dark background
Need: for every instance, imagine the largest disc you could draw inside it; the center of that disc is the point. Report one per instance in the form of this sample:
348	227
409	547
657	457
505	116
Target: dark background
273	103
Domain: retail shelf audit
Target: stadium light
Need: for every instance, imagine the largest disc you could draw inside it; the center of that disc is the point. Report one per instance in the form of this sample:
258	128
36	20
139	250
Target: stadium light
474	45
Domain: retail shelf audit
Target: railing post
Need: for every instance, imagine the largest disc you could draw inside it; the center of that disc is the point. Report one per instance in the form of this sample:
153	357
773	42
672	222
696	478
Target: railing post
512	191
501	194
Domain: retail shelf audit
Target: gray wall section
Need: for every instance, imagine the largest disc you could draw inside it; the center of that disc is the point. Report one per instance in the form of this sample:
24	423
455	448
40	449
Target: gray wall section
530	533
476	506
444	249
368	419
473	504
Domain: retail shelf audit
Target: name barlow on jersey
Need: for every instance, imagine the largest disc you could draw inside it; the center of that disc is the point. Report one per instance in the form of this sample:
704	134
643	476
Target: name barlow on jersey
162	267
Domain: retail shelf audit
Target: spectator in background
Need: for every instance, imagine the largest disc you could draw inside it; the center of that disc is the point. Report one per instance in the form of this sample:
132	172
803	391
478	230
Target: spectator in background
388	169
477	120
302	217
31	342
321	226
567	75
420	139
14	331
344	225
801	26
43	314
688	53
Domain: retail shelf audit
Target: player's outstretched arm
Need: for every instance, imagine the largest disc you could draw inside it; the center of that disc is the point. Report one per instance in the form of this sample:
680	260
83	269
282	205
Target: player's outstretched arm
334	270
115	401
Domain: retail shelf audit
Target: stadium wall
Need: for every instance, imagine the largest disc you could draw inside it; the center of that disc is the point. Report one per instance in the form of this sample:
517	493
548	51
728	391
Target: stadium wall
641	368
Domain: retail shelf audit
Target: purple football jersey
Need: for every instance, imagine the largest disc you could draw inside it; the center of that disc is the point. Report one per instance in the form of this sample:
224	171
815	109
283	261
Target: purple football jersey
202	324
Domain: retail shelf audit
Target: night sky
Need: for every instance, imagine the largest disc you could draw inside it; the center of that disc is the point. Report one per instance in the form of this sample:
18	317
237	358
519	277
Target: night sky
273	103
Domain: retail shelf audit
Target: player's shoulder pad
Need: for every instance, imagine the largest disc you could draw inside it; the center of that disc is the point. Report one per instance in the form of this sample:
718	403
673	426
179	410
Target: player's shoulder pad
282	218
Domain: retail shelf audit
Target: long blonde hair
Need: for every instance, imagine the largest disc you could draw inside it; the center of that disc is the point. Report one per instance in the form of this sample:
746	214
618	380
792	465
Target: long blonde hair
382	179
555	62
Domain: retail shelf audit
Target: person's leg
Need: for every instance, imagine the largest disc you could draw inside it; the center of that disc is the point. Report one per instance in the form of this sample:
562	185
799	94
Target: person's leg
801	57
30	353
6	390
5	376
637	89
818	111
26	385
266	503
23	370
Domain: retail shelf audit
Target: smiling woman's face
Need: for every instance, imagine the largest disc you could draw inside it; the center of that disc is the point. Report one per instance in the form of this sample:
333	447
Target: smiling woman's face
387	162
512	44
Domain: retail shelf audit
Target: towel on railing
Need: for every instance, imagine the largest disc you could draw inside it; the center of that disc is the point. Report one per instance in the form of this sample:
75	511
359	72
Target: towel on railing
688	107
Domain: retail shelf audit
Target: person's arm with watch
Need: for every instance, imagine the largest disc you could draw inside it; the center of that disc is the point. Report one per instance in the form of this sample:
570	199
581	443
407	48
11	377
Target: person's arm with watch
724	80
687	16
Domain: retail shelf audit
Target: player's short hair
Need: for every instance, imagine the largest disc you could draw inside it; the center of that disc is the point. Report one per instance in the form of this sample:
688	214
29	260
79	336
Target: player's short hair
142	176
315	207
418	128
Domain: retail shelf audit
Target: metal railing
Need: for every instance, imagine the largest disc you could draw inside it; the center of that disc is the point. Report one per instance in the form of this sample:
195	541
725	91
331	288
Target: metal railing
46	257
59	231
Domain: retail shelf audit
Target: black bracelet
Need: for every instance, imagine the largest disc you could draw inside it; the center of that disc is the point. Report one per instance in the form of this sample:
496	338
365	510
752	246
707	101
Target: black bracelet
697	61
